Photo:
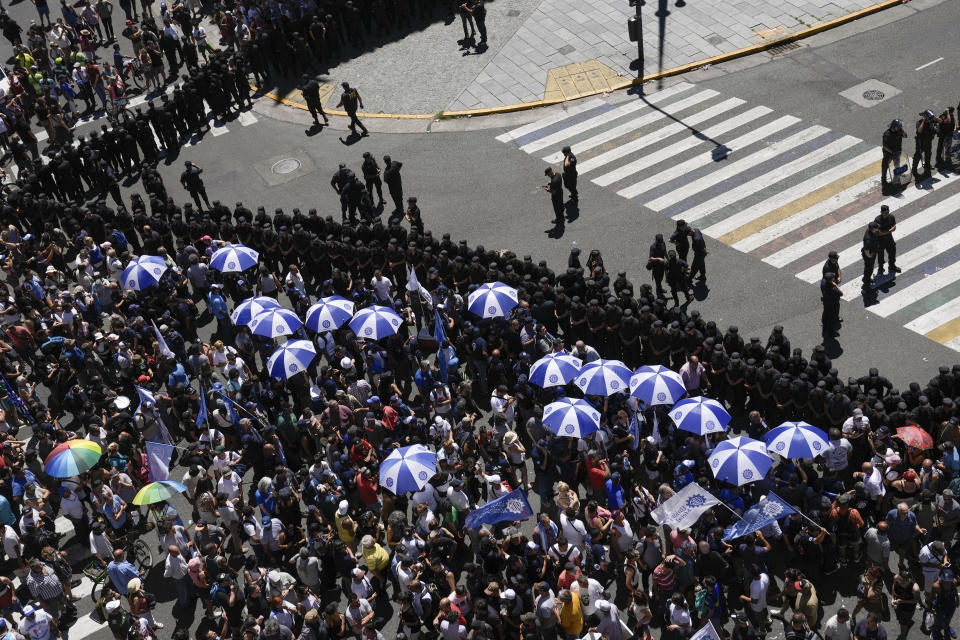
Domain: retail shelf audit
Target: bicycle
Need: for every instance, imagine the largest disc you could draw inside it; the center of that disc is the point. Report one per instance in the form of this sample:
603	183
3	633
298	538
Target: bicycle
134	72
139	554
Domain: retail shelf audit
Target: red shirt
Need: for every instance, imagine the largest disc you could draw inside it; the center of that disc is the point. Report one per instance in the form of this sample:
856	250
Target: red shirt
367	489
597	476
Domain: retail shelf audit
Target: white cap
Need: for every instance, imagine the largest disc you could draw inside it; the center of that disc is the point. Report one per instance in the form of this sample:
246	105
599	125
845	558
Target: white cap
508	594
603	605
111	606
346	362
343	507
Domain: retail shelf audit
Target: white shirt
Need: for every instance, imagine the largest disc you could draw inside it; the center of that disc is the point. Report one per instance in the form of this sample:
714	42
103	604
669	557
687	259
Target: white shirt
219	464
229	485
499	404
382	288
837	455
71	506
593	591
573	530
174	567
856	425
39	627
758	592
11	543
453	630
836	630
873	485
99	545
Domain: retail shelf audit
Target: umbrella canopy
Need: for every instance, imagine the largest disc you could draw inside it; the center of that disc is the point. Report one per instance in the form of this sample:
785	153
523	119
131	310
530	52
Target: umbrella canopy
700	415
915	437
603	377
71	458
291	358
740	460
329	313
375	322
246	310
158	492
657	385
235	257
571	418
274	322
143	272
797	440
492	300
408	469
555	369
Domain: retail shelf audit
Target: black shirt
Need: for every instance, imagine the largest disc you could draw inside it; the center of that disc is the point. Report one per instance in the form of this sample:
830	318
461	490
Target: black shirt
190	179
556	186
350	99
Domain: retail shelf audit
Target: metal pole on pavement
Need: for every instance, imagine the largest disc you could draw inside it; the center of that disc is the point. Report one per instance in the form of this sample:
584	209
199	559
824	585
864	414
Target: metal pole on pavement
635	31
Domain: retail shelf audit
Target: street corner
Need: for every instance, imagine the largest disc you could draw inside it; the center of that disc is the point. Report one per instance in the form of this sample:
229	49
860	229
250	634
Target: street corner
285	167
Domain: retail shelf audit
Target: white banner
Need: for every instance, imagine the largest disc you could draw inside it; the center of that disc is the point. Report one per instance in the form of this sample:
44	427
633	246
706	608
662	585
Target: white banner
685	508
706	632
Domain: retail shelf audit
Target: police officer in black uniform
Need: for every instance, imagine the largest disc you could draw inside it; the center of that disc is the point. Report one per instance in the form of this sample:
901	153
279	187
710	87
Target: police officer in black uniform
371	175
339	182
699	266
892	148
555	189
310	90
391	175
191	181
350	99
830	296
657	263
927	127
570	172
887	224
681	238
832	265
948	126
871	245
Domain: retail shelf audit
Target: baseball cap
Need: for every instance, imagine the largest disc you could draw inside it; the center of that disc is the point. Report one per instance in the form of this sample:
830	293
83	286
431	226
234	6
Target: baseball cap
508	594
29	610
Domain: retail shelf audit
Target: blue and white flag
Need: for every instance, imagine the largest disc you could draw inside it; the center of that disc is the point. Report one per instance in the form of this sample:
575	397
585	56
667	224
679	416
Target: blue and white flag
635	430
413	285
685	507
706	632
769	509
158	460
202	415
511	507
231	407
161	343
17	401
146	395
439	336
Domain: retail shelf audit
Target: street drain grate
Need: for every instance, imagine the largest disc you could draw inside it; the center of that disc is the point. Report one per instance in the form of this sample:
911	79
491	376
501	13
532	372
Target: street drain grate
716	40
870	93
513	13
566	49
287	165
781	49
873	94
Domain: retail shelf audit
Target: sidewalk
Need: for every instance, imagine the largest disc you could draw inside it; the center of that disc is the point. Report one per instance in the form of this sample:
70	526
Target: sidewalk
558	49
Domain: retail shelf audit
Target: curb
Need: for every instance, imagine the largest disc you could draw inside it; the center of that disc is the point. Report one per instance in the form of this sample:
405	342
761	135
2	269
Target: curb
626	83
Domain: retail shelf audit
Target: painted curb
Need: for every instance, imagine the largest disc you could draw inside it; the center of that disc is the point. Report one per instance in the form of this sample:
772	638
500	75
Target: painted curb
627	82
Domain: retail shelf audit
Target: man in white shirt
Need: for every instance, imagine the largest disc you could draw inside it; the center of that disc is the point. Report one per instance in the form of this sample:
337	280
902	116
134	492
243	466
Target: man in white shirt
837	456
502	402
856	425
838	626
12	547
175	568
590	588
37	624
382	287
756	600
230	484
573	529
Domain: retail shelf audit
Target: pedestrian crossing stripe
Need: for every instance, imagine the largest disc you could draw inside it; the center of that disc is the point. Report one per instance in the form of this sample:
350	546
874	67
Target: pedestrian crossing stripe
768	184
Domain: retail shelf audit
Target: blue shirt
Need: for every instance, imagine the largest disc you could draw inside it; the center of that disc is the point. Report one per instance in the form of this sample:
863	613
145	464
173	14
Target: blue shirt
121	573
20	483
218	306
6	513
901	530
616	496
112	508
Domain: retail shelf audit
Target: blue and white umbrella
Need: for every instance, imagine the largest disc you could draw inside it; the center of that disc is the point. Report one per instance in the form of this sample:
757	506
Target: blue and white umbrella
603	378
657	385
555	369
235	257
291	358
276	321
492	300
408	469
797	440
700	415
252	307
375	322
329	313
571	418
740	460
143	272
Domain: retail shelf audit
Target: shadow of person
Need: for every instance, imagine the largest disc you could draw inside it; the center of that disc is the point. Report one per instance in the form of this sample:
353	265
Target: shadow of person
557	230
700	291
351	139
314	129
572	208
832	348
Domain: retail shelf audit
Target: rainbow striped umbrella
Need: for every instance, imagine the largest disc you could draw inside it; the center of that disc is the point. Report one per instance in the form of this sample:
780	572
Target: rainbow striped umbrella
71	458
158	492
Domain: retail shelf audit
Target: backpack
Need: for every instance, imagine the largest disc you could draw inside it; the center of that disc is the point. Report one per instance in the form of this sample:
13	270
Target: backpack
151	600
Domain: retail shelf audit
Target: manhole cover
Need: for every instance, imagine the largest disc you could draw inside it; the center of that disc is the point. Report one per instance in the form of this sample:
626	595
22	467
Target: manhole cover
287	165
566	49
513	13
870	93
873	94
716	40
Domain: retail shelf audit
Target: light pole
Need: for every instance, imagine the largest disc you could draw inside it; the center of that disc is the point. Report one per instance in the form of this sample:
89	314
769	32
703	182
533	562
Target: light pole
635	31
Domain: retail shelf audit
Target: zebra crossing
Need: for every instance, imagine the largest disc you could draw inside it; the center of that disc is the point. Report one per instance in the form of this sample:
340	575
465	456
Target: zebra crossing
769	185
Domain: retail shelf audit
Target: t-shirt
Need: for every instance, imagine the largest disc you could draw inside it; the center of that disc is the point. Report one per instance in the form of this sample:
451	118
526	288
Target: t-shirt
39	627
758	592
836	630
837	455
863	632
545	607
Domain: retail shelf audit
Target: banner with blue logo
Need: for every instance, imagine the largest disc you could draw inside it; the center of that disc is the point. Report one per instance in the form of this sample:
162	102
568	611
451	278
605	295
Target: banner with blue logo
685	507
511	507
759	515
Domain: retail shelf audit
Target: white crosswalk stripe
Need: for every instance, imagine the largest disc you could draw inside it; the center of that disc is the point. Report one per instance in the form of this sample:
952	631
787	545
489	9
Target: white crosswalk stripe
770	185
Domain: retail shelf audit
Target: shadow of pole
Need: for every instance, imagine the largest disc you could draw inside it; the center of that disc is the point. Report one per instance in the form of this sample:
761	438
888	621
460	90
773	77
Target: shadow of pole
662	12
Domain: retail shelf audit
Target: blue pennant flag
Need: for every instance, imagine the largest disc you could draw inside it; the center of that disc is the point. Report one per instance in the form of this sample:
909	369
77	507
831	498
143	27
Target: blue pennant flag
202	415
17	401
146	395
759	515
158	460
511	507
439	336
231	408
635	430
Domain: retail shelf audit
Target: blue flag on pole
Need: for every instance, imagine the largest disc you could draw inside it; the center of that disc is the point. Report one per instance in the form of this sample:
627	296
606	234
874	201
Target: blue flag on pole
17	401
635	430
202	415
231	407
512	507
158	460
759	515
439	336
146	395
